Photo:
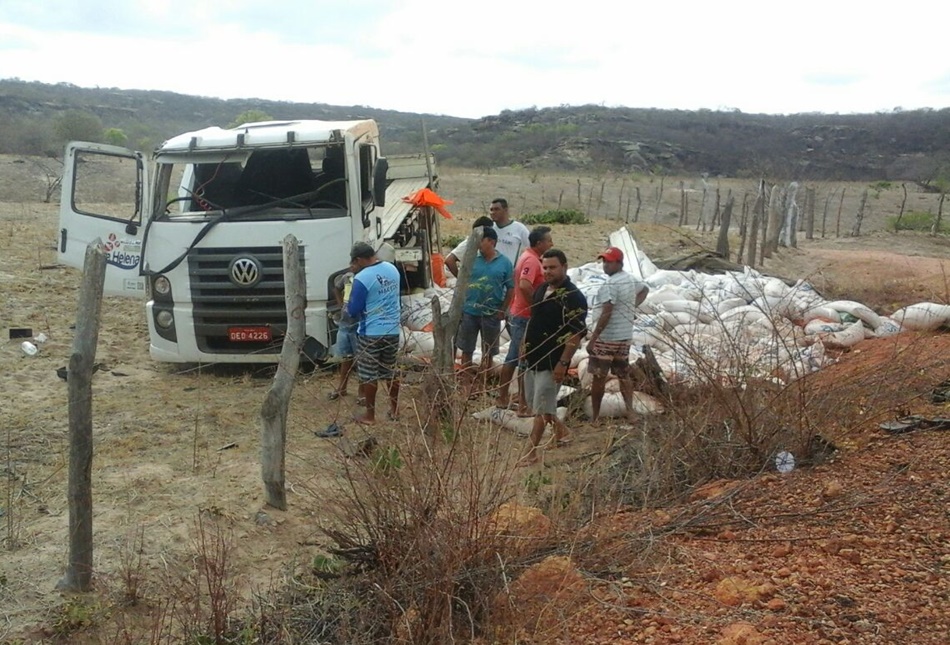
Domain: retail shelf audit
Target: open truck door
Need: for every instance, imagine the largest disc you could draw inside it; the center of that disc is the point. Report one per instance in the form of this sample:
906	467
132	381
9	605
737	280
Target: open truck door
104	193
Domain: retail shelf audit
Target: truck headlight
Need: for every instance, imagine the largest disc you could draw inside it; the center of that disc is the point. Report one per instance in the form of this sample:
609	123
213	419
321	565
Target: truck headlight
164	318
162	286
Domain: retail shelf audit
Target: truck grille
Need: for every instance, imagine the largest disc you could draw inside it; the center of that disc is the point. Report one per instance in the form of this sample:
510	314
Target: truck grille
220	303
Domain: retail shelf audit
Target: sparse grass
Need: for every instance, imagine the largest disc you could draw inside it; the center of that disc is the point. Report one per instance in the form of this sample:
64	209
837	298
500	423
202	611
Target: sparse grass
77	614
916	221
451	241
557	216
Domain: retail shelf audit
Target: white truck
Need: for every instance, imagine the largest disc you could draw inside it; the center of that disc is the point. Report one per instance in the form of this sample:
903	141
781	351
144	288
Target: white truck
198	232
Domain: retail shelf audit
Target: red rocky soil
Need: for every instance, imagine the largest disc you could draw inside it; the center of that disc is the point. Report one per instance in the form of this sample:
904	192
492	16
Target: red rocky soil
854	550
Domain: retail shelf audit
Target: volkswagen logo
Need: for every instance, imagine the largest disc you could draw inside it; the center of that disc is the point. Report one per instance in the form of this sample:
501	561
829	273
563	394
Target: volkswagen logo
245	271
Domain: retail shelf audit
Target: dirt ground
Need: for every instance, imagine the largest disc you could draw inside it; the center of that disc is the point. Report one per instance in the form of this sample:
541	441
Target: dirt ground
867	565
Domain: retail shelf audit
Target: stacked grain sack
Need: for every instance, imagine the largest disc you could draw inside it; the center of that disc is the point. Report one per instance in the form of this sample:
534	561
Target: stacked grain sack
733	327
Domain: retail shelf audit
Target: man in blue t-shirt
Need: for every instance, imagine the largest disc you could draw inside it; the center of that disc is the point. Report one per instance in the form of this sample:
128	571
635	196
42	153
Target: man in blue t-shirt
374	301
489	293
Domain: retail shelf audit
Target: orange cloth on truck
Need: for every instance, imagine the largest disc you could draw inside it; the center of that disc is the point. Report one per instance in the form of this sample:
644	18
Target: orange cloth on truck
438	269
428	197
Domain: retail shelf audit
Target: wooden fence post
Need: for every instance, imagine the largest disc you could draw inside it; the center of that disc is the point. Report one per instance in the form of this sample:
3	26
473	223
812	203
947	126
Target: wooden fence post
758	216
78	575
722	247
277	400
840	206
702	207
856	229
444	326
772	225
684	205
636	215
903	204
824	214
937	225
789	234
717	210
743	227
809	213
623	185
659	198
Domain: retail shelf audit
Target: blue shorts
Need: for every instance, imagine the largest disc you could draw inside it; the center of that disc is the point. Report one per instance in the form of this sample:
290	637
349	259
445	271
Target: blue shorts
345	346
516	328
469	329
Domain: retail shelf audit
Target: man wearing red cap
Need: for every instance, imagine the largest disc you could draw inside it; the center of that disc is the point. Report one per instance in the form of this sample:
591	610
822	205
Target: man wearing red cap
614	310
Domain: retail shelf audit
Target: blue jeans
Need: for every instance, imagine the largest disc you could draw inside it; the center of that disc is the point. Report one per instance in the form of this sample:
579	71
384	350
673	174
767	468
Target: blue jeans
469	329
516	329
345	346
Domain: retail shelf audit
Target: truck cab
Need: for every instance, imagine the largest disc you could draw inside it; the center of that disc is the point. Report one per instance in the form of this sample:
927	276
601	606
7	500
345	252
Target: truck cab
197	230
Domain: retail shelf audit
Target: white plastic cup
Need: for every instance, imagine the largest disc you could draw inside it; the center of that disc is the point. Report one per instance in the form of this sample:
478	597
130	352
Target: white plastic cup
29	348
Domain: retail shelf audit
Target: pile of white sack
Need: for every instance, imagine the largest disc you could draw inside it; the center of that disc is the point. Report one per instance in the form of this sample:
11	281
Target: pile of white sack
733	327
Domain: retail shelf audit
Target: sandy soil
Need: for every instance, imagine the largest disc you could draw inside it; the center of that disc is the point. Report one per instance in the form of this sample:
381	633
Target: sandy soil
173	444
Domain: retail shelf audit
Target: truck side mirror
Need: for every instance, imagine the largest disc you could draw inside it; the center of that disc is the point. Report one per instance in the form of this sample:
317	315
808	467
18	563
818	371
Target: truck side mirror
379	181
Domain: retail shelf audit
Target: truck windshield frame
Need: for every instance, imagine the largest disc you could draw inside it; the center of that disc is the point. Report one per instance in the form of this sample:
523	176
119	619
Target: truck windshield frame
267	183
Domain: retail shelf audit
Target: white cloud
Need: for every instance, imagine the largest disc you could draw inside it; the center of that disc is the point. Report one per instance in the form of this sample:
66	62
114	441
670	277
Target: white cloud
480	58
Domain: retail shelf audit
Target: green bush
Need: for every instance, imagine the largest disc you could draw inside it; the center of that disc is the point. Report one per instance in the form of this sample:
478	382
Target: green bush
916	221
451	241
560	216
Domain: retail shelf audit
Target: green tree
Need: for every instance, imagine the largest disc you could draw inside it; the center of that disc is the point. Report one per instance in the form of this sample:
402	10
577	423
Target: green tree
115	137
250	116
78	125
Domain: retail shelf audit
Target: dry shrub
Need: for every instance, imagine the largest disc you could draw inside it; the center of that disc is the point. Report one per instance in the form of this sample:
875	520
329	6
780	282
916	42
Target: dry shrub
732	428
196	598
879	379
425	556
716	427
199	600
890	295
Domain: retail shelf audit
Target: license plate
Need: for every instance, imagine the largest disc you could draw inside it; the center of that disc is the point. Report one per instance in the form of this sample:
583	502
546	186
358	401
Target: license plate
249	334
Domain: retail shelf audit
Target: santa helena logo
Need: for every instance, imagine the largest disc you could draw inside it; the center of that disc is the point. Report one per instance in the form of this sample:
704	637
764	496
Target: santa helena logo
120	254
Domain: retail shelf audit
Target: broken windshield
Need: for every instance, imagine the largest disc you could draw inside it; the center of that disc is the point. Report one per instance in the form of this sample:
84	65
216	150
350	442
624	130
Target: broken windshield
267	183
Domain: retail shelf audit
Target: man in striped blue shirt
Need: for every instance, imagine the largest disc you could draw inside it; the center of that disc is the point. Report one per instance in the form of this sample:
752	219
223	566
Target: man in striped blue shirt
374	301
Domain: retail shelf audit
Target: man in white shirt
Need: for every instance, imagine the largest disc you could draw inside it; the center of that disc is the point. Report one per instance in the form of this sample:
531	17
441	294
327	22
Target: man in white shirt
614	310
512	237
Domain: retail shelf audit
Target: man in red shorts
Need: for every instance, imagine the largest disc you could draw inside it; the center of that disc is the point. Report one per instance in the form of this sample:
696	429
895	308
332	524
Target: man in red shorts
614	311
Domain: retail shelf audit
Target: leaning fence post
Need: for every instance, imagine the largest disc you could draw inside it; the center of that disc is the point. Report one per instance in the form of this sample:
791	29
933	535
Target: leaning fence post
277	400
722	245
78	575
444	326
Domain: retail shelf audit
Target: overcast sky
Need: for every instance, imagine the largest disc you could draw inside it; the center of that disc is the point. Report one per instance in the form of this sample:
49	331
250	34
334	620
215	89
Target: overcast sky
478	58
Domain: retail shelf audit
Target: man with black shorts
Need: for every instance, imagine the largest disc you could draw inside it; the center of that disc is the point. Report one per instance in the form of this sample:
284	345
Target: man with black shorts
615	309
374	301
555	330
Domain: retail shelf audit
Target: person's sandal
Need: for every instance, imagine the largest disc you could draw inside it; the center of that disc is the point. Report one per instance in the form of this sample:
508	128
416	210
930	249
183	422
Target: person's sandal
333	395
333	430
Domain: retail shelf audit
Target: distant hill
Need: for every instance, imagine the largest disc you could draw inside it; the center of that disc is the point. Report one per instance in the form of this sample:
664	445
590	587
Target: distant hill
899	145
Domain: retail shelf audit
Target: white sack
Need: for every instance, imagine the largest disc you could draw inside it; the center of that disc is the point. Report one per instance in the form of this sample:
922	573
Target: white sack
848	337
612	405
510	420
924	316
857	310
